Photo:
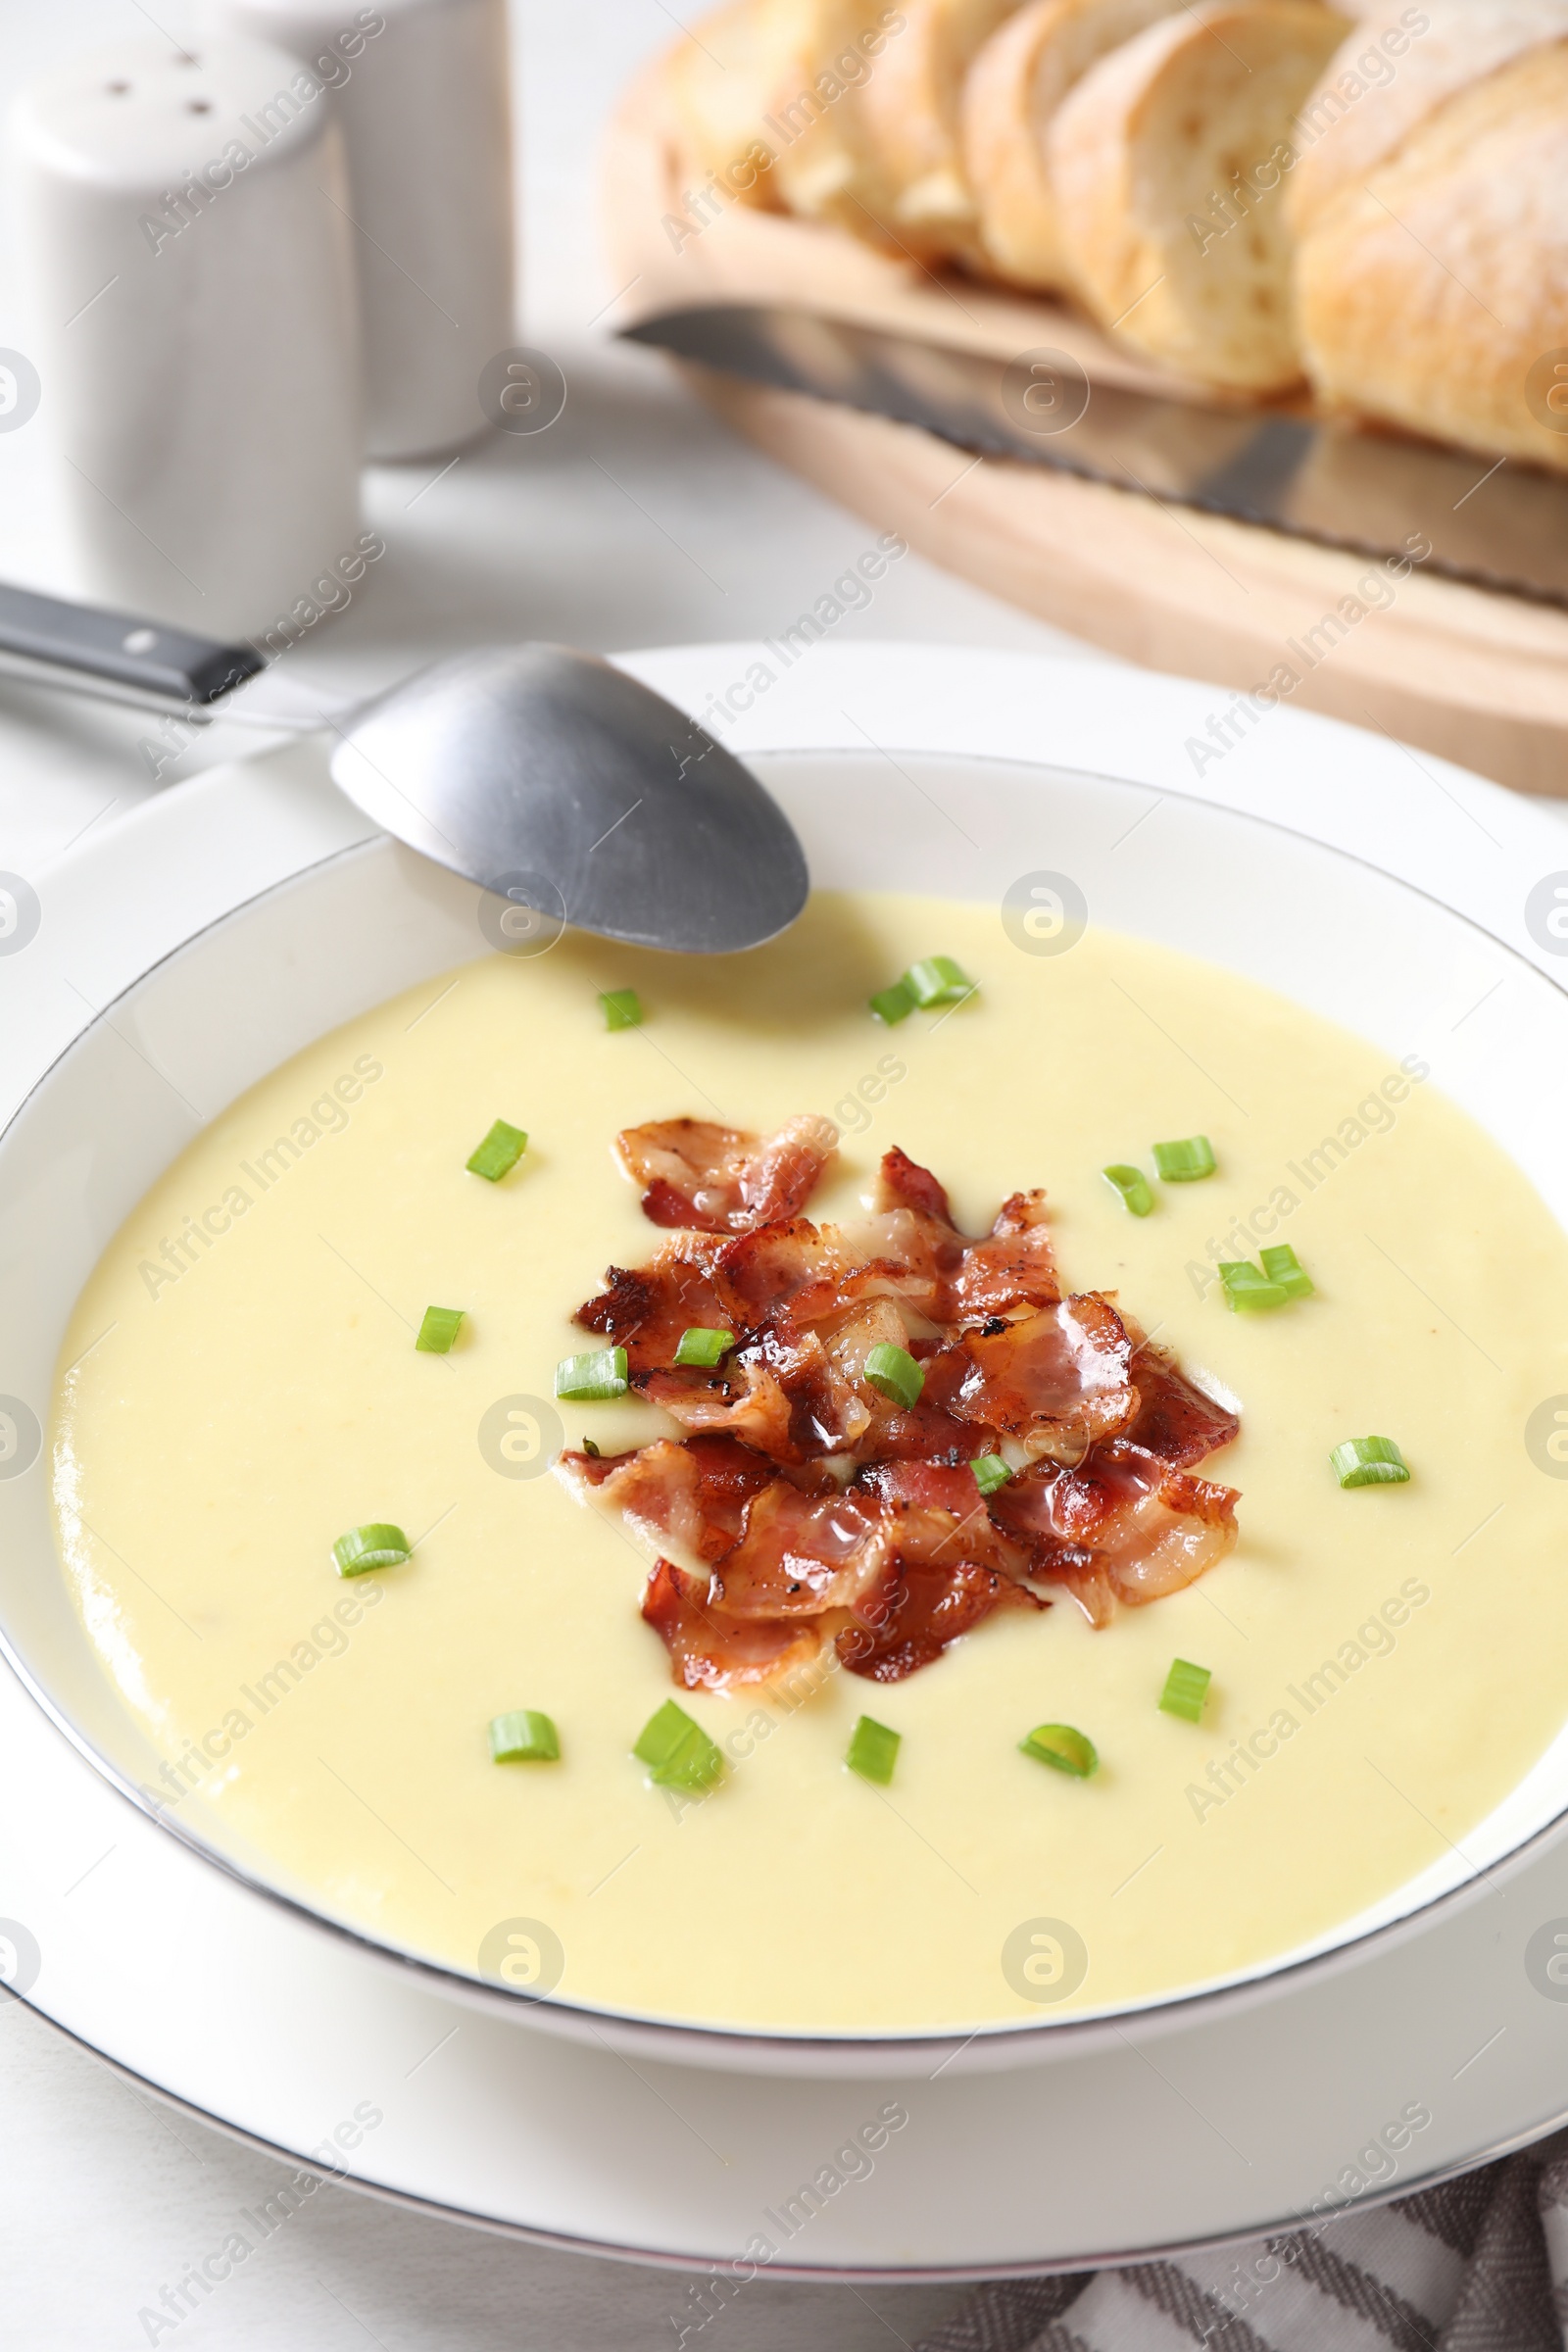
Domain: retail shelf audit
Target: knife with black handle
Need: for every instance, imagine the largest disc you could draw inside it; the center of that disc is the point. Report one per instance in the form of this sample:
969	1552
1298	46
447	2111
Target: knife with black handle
123	658
1502	526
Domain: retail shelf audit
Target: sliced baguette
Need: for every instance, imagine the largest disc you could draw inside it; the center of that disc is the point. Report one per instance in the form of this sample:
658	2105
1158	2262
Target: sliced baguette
826	162
1168	162
719	79
1010	98
911	111
1436	297
1397	68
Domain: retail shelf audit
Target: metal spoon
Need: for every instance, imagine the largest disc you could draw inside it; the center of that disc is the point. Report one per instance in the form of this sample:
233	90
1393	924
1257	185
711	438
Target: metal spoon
544	775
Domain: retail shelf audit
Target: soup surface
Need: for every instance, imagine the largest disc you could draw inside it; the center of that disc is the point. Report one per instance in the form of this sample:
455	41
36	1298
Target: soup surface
240	1385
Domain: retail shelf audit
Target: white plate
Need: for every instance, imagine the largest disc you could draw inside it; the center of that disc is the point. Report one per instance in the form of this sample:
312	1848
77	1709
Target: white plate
911	769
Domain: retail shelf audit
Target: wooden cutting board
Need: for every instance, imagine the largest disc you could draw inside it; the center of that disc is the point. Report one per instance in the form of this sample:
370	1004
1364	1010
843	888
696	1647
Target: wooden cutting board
1481	678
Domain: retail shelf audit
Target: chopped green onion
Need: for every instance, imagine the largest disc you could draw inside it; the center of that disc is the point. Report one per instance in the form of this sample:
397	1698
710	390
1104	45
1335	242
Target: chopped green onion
1370	1462
591	1449
874	1750
623	1007
1186	1161
894	1373
990	1473
1282	1265
379	1545
1063	1748
937	980
524	1738
1186	1688
592	1378
1133	1185
499	1153
678	1751
1247	1291
439	1328
894	1005
1281	1279
701	1345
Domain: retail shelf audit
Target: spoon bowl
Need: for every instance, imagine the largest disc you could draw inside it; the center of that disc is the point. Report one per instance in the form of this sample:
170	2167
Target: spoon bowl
562	786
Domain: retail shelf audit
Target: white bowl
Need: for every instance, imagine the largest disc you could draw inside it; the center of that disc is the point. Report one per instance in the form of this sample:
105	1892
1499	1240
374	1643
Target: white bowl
1395	900
1320	919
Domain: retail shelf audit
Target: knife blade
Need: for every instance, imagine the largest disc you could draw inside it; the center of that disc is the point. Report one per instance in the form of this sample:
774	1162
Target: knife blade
1372	492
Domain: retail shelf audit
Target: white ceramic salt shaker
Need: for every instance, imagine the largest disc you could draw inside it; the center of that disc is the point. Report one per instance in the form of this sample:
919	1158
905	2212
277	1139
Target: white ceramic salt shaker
422	88
182	222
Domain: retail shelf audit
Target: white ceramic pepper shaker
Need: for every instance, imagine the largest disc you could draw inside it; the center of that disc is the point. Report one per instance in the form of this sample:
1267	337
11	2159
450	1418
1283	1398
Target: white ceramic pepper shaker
422	88
182	221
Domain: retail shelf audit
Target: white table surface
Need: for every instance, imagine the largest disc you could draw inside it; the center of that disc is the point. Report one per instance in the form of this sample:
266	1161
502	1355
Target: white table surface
636	521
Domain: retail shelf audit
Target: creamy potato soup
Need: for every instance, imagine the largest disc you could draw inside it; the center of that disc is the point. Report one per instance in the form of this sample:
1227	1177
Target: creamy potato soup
241	1387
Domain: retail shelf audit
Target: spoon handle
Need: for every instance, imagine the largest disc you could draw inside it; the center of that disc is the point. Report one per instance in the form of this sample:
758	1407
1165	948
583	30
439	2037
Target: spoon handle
84	647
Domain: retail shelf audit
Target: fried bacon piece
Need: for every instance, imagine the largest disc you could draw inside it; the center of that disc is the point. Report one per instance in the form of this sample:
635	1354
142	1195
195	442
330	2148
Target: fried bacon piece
907	1185
921	1608
950	1566
802	1507
940	1518
656	1489
712	1652
721	1180
1176	1419
891	1255
728	1476
931	1431
1057	1380
1121	1526
1014	1267
760	1274
793	1402
686	1497
742	1399
800	1555
646	1308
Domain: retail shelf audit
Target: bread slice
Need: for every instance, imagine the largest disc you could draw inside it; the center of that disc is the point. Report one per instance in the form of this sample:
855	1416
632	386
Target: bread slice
1436	297
911	109
719	80
827	166
1009	101
1168	162
1399	67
